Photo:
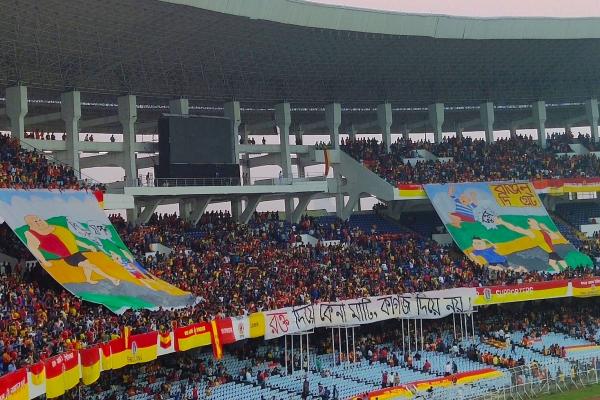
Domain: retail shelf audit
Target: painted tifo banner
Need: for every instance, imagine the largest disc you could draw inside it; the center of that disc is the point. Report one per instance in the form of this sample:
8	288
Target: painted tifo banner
76	244
504	225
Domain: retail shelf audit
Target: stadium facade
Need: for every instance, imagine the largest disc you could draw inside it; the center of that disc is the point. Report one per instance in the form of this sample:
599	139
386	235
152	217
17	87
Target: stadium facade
285	68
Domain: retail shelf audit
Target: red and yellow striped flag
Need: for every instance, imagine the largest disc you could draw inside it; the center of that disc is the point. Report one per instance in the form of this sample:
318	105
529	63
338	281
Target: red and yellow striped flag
142	348
118	353
192	336
13	386
106	357
62	373
100	198
38	373
90	365
216	341
165	340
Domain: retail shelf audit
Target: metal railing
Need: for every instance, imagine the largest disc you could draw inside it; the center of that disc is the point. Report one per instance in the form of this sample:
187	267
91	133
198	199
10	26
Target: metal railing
534	381
174	182
142	181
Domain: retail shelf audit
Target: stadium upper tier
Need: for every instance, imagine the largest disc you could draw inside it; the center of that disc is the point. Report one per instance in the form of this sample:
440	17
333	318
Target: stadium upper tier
468	160
265	51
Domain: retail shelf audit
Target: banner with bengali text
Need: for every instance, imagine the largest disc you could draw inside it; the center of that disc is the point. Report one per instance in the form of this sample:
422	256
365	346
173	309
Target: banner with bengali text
425	305
13	386
504	225
586	287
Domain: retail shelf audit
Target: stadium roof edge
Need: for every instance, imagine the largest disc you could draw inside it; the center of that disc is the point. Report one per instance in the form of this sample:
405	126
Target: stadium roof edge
324	16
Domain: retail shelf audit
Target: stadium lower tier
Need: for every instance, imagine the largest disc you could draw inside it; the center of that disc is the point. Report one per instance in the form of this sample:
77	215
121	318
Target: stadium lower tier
502	345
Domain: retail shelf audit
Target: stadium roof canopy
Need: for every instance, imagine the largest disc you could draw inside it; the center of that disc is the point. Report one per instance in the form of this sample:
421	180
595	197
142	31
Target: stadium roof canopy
261	52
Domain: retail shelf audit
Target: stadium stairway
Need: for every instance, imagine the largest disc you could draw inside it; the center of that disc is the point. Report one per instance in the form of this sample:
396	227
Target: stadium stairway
359	179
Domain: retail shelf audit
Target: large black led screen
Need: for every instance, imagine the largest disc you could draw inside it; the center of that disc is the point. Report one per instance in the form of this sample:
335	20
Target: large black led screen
201	140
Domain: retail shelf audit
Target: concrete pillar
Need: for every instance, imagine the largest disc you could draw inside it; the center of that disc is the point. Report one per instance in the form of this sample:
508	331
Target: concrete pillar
16	110
352	133
127	118
486	113
333	116
384	120
539	119
236	209
232	111
251	204
198	208
283	119
405	133
132	215
436	119
185	209
179	106
245	161
70	111
300	209
459	131
339	197
591	112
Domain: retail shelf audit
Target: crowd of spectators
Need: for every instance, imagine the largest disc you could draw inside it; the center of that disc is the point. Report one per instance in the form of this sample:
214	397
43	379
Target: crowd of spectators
517	158
235	269
21	168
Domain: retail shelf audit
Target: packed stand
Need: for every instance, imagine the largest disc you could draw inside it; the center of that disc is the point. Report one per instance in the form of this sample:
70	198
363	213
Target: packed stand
518	158
21	168
235	269
377	359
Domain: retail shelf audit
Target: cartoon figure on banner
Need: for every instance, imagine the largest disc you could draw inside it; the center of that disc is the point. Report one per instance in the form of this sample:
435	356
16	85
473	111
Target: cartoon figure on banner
62	243
464	204
133	267
102	238
541	236
487	250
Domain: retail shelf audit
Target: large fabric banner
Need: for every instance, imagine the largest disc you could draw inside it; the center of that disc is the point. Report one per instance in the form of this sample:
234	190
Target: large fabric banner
504	226
426	305
522	292
13	386
74	241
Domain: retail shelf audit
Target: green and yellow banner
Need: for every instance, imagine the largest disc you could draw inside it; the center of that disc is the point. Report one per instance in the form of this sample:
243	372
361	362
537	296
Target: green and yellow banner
504	225
77	245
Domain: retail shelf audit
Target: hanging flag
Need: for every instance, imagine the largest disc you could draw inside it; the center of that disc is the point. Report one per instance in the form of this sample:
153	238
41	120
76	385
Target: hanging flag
326	156
38	373
165	340
216	342
233	329
62	373
257	324
142	348
13	386
118	353
106	356
99	194
90	365
192	336
125	335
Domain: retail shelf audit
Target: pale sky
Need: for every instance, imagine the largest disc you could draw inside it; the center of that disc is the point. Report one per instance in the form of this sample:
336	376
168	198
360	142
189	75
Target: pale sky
482	8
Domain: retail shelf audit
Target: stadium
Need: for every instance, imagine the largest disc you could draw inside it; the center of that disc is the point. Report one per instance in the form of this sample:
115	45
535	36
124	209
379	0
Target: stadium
286	199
